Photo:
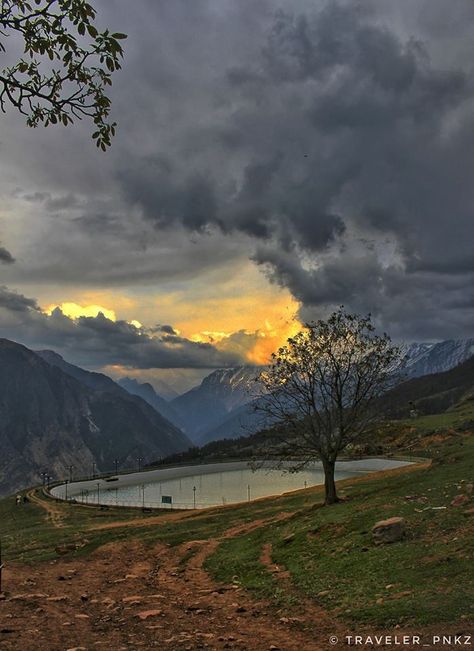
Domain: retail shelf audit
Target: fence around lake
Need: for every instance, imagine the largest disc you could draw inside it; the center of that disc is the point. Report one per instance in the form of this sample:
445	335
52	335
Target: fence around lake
197	487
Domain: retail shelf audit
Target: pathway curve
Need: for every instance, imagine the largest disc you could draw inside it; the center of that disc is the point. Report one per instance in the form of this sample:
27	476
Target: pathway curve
127	596
54	513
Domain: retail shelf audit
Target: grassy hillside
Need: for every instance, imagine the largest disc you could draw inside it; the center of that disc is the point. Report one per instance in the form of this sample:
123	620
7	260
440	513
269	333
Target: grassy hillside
325	554
331	558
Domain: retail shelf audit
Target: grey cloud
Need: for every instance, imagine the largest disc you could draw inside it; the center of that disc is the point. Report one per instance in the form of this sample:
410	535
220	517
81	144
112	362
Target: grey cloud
154	184
322	141
34	197
338	118
435	305
167	329
98	341
5	256
15	302
61	202
51	203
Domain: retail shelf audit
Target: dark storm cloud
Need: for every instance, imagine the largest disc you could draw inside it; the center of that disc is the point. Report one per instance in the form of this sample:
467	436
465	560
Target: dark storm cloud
342	131
99	341
152	183
5	256
333	143
14	302
167	329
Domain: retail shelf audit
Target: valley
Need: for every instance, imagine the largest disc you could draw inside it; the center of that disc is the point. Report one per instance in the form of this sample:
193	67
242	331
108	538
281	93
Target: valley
236	325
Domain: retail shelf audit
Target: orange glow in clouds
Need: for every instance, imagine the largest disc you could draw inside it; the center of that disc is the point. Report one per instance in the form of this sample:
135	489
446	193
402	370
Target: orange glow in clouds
270	340
250	319
253	326
74	311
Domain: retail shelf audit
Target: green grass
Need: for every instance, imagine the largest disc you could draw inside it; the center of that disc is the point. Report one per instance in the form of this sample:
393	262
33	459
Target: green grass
459	417
331	550
28	535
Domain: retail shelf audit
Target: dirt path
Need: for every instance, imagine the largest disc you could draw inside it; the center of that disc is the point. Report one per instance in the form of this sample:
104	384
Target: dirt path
163	518
130	597
127	596
309	611
54	513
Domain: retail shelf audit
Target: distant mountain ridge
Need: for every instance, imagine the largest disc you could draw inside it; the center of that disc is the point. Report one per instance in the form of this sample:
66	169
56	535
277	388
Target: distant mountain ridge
92	379
54	414
429	358
220	407
218	395
429	394
148	393
436	393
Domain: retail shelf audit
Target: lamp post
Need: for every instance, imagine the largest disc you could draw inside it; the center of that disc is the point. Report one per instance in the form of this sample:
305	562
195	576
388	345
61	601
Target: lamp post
71	468
43	476
116	465
139	461
194	497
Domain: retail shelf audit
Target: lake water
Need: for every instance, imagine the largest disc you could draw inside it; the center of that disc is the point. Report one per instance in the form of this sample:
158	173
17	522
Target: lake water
207	484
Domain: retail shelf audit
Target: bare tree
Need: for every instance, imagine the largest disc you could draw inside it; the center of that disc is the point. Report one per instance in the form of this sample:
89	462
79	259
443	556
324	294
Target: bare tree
320	389
66	64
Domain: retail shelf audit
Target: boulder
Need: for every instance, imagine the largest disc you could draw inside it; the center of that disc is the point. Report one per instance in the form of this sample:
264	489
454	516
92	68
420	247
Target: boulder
388	531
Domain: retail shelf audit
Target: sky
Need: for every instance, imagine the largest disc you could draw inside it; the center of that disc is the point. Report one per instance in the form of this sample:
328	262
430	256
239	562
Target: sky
273	161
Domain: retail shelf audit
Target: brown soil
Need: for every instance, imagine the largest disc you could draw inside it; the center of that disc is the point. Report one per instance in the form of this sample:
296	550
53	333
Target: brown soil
129	596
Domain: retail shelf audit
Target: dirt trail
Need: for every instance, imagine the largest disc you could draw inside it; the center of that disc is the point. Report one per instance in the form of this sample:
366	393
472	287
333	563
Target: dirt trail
163	518
310	611
145	522
54	513
128	596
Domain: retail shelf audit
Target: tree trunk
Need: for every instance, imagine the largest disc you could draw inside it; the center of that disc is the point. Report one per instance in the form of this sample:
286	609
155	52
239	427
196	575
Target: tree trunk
329	483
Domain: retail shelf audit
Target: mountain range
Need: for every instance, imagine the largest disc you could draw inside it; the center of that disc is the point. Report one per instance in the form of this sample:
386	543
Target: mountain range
221	406
54	415
220	394
419	396
147	392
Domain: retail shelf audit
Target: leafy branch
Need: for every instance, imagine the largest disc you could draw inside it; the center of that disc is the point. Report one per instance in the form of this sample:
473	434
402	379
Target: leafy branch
66	67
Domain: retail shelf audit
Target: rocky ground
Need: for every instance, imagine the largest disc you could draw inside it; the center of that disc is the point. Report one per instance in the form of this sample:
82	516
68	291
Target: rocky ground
147	589
128	596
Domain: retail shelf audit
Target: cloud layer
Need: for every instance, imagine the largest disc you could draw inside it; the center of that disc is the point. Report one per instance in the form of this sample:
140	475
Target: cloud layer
331	143
98	341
